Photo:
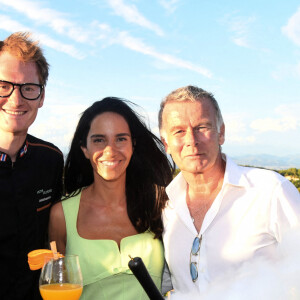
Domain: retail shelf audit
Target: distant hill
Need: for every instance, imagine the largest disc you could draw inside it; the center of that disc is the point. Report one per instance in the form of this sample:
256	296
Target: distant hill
269	161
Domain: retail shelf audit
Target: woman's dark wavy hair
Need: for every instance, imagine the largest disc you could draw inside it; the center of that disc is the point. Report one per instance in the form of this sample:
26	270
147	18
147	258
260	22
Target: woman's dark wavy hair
147	174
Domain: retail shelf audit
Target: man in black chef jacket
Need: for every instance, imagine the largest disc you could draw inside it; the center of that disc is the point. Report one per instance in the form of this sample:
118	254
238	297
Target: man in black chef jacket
30	168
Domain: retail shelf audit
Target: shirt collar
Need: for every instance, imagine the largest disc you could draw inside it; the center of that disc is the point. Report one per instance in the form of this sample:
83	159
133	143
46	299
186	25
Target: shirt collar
177	187
22	152
176	191
233	176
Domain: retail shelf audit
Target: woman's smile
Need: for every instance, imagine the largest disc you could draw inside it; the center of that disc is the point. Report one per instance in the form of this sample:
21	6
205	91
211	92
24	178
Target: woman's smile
109	146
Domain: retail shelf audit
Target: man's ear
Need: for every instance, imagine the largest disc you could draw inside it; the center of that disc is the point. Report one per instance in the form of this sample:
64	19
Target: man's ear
164	141
42	97
222	134
85	152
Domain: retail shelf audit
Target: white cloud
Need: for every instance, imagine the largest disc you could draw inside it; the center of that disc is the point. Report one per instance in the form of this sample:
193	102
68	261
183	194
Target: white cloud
10	25
241	41
137	45
239	27
49	17
94	32
131	14
289	110
7	24
271	124
289	120
169	5
58	46
57	123
292	29
103	31
236	130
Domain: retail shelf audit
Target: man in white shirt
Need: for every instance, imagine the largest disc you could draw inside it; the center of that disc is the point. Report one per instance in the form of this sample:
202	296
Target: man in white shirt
219	215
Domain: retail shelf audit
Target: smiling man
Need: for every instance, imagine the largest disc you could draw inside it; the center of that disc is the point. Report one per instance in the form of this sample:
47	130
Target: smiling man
30	169
219	215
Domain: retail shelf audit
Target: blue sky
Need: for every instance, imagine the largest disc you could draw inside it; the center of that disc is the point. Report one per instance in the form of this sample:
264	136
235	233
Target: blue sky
247	53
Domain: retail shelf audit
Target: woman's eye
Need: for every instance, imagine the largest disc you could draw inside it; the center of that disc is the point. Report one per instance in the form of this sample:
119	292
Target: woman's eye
121	139
98	140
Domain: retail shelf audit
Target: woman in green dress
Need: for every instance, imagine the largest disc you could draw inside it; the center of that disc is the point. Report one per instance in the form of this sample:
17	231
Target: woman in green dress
115	175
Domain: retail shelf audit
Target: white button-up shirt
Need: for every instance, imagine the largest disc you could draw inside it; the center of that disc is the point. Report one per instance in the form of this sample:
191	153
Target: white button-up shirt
246	220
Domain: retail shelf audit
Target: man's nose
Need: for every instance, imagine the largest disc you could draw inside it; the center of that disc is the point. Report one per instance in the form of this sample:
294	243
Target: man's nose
16	97
191	138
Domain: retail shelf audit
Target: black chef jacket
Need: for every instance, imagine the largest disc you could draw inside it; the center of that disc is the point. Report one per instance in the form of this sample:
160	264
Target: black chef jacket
28	187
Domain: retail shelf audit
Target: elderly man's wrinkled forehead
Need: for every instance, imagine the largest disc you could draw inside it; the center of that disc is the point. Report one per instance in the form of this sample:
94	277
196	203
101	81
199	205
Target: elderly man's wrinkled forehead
181	101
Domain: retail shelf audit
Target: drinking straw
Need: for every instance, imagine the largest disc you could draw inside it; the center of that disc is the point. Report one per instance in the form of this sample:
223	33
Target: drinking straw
54	249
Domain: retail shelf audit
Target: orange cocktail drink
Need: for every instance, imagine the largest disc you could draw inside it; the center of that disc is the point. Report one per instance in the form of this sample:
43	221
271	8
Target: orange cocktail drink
61	278
61	291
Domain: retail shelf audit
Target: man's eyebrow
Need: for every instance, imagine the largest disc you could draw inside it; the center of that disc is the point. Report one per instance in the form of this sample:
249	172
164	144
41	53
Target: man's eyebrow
208	123
179	126
176	127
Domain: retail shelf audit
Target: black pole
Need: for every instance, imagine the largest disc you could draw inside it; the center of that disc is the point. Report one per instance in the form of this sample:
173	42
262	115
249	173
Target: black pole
139	270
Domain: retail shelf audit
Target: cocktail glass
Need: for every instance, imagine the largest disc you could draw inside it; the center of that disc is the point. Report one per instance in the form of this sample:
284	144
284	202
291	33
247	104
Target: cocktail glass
61	278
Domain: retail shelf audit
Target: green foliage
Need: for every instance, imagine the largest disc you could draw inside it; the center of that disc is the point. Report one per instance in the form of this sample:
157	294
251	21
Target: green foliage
293	174
176	172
